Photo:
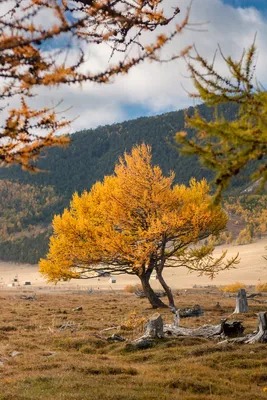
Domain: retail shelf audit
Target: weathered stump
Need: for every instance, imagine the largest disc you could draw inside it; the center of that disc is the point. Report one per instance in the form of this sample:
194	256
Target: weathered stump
232	329
154	327
261	335
153	330
241	302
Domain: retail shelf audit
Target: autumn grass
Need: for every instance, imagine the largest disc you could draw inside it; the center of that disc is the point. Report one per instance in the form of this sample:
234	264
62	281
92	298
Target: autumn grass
74	363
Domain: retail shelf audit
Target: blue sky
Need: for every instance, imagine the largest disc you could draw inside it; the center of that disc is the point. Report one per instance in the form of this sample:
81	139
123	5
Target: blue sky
259	4
153	88
135	110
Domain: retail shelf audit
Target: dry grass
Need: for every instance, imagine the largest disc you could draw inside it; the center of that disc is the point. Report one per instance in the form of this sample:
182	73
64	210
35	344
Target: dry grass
73	364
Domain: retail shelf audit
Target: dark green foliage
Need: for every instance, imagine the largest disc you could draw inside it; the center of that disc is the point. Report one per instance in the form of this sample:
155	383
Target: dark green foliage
25	249
228	147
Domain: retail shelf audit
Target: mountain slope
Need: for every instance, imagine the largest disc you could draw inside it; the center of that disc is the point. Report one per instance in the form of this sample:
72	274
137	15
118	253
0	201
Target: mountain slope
90	155
93	153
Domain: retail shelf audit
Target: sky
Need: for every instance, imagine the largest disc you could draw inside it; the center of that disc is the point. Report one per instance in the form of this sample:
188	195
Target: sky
153	88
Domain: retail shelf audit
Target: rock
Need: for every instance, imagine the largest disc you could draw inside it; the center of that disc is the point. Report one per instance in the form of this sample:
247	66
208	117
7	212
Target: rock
49	354
15	354
28	297
140	344
116	337
77	309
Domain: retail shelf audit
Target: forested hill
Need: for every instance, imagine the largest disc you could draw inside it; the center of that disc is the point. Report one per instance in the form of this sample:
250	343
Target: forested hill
29	201
93	153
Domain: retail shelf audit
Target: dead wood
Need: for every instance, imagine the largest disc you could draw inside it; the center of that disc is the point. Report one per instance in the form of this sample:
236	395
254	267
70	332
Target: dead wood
153	330
252	295
260	336
195	311
241	302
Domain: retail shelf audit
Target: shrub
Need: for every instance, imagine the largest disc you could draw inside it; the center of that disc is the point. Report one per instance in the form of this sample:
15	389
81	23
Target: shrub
234	287
244	237
261	287
132	288
133	321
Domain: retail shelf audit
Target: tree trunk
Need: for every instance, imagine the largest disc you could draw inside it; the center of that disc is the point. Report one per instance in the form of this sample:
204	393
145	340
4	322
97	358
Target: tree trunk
149	292
167	290
241	302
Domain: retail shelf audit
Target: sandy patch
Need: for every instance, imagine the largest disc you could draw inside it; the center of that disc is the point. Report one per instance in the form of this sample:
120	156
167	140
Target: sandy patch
251	270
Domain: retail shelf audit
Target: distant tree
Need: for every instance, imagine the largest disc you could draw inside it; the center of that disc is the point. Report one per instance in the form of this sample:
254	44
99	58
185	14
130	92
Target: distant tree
228	147
136	222
45	43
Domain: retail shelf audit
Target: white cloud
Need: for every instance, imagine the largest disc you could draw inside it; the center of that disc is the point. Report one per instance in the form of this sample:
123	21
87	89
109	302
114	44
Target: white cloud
158	86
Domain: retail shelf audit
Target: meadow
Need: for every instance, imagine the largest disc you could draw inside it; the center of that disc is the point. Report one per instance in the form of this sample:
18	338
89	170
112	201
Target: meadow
50	351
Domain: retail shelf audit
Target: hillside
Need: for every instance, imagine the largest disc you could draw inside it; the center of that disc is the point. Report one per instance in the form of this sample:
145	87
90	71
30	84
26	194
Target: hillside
29	201
93	153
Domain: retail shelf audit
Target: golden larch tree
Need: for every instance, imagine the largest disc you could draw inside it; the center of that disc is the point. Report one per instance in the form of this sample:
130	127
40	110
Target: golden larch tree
136	222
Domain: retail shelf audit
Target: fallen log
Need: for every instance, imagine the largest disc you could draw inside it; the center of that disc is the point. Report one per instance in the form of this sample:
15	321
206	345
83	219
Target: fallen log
155	329
206	331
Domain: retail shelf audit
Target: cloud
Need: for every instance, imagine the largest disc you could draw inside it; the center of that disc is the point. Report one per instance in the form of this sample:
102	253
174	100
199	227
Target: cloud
155	87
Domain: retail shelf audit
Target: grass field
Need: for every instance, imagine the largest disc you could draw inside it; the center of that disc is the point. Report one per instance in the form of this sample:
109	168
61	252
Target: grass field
74	364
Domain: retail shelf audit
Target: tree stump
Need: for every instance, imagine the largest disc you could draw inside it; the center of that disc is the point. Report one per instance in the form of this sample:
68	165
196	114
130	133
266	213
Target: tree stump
154	327
241	302
261	335
232	329
153	330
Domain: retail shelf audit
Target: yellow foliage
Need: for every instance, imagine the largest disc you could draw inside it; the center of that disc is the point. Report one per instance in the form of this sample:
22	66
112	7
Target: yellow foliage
133	321
244	237
133	222
233	288
261	287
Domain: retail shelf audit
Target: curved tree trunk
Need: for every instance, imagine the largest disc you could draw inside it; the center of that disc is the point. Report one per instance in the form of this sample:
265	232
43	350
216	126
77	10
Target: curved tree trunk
167	289
149	292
